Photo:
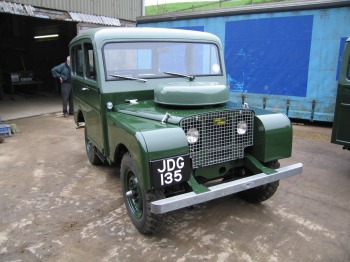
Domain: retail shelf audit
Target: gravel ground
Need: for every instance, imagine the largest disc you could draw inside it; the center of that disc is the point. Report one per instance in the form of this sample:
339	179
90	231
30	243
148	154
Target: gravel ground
55	206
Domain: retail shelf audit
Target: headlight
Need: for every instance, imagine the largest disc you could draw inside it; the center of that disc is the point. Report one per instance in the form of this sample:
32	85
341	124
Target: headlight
242	127
192	135
109	105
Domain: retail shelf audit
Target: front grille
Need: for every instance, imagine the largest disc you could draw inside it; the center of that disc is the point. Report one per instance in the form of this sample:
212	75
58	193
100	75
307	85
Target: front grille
219	141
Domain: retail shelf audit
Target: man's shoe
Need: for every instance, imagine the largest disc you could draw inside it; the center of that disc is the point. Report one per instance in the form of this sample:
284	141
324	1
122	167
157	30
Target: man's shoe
65	115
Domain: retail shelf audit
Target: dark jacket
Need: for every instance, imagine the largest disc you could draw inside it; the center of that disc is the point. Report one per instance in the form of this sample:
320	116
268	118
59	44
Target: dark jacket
62	71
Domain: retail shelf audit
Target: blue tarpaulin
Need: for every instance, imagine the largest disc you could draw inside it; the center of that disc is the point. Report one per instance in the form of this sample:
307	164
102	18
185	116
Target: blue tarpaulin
269	56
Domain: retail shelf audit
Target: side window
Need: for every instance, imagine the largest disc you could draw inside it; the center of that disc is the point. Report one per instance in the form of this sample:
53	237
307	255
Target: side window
89	62
77	60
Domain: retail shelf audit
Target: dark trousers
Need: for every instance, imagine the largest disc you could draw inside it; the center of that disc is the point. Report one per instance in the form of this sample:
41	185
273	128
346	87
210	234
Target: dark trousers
67	96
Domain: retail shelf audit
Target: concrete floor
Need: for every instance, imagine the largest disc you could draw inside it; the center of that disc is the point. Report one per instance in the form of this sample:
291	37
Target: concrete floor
55	206
25	105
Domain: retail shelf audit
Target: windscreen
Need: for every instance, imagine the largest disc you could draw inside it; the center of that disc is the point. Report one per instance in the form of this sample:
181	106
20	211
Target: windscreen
156	59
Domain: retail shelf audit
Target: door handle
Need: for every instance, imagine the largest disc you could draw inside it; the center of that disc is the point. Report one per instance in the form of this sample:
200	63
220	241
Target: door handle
84	89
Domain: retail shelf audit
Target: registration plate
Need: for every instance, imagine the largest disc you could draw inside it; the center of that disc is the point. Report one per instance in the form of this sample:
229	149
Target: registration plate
170	171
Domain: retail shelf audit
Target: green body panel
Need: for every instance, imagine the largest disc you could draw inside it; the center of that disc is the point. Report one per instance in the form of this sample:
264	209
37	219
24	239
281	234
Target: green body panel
341	124
145	140
197	188
165	142
255	166
150	109
191	94
273	137
87	100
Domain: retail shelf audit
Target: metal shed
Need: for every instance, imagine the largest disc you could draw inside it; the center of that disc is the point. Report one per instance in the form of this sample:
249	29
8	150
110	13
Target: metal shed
34	35
126	10
281	56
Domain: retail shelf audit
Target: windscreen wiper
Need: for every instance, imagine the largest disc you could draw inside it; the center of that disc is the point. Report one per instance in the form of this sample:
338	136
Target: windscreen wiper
191	78
129	78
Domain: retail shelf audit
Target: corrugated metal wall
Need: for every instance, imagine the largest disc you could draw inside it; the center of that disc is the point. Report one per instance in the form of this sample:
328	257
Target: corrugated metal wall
121	9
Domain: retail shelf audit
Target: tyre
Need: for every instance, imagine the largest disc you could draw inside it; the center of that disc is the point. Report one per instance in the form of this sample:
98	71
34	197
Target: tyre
263	192
91	151
137	200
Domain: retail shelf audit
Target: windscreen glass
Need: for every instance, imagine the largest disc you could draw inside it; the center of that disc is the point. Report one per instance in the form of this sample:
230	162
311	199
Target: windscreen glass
158	59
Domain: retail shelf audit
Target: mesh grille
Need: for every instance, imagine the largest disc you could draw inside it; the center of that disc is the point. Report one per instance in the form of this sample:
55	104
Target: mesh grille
219	141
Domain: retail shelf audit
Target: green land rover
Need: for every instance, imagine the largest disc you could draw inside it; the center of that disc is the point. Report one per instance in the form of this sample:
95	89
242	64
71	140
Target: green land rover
341	123
155	102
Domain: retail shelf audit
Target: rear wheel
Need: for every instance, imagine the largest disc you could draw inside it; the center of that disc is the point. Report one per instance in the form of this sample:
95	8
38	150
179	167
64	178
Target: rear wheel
137	200
91	150
261	193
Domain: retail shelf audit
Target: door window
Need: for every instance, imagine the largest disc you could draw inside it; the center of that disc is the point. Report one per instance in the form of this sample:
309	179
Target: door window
89	62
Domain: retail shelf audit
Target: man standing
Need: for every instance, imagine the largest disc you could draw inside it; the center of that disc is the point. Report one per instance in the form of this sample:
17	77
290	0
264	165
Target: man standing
63	72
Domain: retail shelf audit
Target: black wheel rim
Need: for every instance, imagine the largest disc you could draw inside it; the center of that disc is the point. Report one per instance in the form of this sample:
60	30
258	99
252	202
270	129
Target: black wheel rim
134	199
88	147
88	144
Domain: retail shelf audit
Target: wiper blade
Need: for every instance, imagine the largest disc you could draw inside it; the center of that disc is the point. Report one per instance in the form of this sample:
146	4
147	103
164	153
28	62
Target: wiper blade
129	78
191	78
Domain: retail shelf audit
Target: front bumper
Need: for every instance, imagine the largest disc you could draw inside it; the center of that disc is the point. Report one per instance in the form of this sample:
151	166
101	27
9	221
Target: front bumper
224	189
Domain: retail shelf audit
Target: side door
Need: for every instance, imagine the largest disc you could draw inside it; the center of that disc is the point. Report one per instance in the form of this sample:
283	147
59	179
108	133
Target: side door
341	123
86	91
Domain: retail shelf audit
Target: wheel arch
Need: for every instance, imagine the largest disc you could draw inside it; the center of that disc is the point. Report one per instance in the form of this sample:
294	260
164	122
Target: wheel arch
79	116
120	150
133	143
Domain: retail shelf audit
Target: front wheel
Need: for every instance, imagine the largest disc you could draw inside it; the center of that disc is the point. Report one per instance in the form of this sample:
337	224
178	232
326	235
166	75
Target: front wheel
137	200
263	192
